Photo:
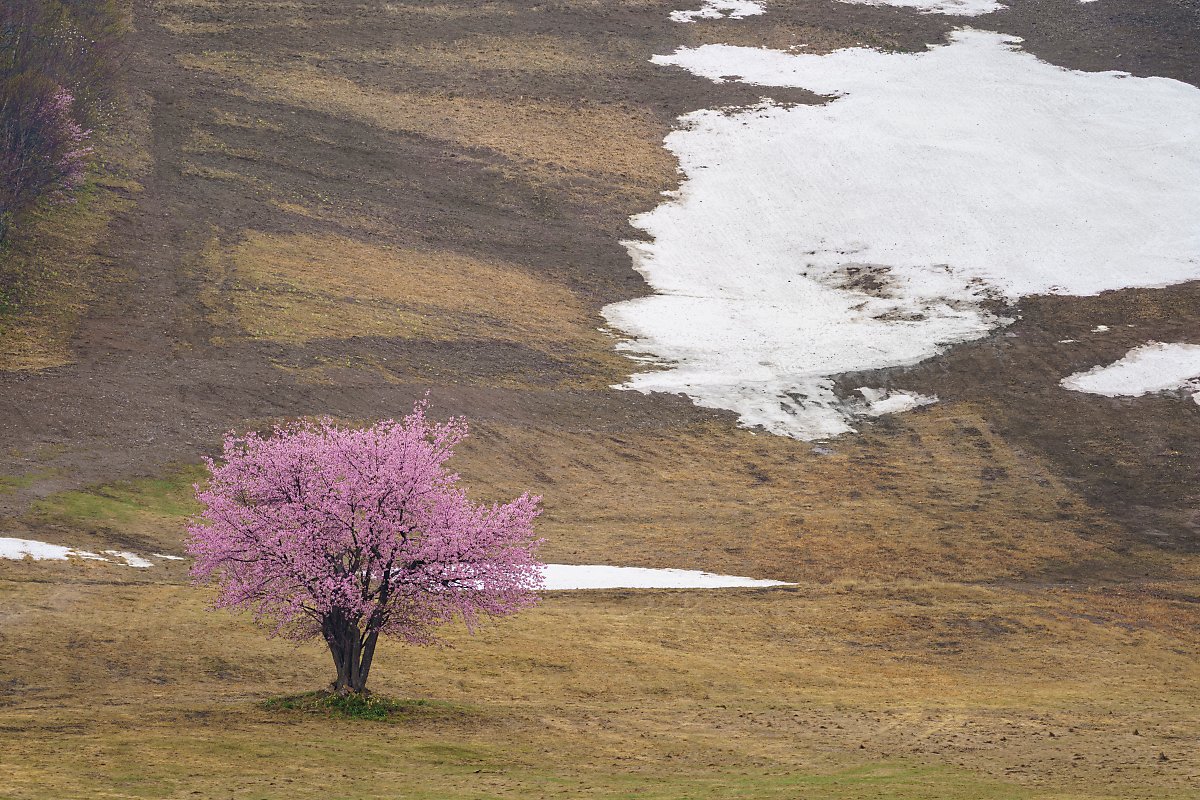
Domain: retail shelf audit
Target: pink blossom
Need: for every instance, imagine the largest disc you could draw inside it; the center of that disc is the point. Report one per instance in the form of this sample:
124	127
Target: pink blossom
43	151
346	533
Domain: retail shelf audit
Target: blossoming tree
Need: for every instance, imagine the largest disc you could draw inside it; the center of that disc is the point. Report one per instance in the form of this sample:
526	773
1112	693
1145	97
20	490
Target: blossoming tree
346	534
43	150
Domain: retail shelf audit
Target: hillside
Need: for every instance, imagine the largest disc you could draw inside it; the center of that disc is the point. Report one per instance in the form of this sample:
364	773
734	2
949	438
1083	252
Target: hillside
329	207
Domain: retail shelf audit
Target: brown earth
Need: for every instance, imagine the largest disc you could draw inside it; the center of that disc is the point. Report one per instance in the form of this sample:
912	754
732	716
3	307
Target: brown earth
329	207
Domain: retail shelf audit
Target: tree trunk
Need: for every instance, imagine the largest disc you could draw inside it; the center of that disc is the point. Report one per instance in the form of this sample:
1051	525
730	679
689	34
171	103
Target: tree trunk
346	645
368	654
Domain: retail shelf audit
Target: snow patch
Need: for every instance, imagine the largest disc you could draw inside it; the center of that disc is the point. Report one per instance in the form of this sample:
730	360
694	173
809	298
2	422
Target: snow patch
882	401
19	549
557	576
130	559
167	557
720	9
870	232
598	576
1153	367
962	8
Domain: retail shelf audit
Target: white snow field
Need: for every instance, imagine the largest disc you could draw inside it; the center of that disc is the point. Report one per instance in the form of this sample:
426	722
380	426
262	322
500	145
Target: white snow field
558	577
962	8
720	9
814	240
1153	367
596	576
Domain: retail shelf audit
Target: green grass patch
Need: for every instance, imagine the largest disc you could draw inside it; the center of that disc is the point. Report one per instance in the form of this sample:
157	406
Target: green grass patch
127	502
11	483
372	707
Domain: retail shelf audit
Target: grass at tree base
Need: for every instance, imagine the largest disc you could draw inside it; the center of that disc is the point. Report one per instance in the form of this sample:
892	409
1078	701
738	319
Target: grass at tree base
371	707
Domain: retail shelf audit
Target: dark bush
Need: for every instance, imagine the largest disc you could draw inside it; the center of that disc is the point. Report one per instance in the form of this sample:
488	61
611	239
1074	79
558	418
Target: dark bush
58	64
74	43
43	150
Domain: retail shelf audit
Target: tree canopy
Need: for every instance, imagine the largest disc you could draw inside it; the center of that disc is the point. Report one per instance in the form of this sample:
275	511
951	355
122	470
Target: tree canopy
347	533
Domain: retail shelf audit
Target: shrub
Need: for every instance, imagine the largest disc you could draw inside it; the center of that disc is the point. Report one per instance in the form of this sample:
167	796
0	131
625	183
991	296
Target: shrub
43	150
58	62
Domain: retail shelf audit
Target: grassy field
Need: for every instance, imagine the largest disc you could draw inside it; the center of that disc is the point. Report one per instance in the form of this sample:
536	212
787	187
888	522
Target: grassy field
329	207
120	683
909	690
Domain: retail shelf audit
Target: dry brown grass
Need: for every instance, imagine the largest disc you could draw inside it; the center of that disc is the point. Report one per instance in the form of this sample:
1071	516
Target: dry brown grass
49	272
478	55
145	515
297	288
890	671
207	17
52	267
205	143
226	175
698	694
796	36
613	144
943	497
301	288
949	501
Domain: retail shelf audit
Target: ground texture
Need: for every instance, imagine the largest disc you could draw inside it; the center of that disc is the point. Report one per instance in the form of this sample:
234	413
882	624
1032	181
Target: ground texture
330	207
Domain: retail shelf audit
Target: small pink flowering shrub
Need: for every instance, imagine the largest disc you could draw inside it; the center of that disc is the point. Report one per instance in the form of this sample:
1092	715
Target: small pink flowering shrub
346	534
59	60
43	150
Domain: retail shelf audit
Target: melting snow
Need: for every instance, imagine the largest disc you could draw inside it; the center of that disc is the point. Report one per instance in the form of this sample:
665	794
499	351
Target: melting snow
130	559
881	401
18	549
598	576
962	8
1153	367
718	9
869	232
557	576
